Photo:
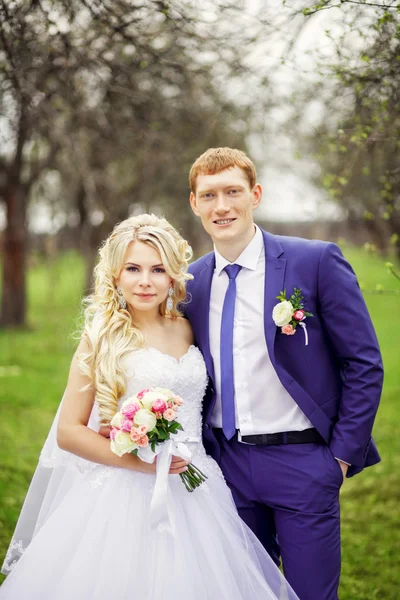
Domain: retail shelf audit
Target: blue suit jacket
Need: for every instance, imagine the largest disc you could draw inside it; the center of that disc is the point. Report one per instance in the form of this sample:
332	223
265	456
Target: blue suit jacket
337	379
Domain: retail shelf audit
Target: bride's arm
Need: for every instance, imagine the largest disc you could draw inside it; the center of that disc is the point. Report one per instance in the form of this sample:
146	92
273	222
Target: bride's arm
73	434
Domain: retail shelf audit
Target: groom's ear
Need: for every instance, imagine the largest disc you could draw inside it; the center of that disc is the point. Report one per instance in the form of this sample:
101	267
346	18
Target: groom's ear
257	195
193	204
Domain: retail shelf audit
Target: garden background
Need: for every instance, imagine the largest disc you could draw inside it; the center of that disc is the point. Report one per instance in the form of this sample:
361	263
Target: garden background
103	108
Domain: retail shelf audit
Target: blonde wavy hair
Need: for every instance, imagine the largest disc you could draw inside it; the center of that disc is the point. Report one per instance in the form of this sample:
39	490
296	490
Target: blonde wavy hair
108	329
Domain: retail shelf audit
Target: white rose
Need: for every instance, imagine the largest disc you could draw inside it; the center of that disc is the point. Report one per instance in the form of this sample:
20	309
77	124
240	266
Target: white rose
282	313
150	397
116	421
165	391
122	444
145	417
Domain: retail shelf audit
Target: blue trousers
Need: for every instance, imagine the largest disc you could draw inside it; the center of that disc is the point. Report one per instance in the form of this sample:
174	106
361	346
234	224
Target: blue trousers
289	496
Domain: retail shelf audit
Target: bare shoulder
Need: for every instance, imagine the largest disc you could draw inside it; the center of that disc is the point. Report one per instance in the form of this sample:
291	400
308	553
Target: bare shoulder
183	328
84	345
76	373
83	349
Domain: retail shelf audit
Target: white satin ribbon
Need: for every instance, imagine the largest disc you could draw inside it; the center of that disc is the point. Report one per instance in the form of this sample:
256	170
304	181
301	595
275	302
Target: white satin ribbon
303	326
161	507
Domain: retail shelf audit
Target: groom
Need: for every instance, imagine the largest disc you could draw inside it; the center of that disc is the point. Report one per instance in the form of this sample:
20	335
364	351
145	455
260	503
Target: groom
292	400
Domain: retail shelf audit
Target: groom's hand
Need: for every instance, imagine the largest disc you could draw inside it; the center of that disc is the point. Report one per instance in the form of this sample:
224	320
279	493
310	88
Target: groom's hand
344	466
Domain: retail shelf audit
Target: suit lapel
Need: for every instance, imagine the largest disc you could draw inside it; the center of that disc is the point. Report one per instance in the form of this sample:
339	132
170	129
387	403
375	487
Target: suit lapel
202	313
274	282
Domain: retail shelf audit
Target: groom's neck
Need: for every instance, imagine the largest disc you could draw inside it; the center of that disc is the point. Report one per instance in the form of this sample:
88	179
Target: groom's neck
231	249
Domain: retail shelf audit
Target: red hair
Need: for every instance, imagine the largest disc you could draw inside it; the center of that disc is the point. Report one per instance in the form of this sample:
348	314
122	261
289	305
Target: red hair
215	160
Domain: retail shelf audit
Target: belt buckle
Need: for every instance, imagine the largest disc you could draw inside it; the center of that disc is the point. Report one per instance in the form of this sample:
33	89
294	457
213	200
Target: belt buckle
239	438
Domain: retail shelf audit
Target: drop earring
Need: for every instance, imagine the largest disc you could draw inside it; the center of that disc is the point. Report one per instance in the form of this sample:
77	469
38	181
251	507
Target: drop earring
122	302
170	303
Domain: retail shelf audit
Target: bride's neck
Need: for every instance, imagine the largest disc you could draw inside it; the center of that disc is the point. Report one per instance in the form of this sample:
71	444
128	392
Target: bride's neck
148	320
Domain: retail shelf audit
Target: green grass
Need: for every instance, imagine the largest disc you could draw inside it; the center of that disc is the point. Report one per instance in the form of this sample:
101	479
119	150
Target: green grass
370	501
29	397
37	361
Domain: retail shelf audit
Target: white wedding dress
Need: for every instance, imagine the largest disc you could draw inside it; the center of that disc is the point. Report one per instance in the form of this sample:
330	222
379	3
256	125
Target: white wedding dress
85	531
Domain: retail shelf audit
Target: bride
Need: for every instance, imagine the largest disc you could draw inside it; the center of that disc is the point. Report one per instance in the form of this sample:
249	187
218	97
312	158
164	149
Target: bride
96	526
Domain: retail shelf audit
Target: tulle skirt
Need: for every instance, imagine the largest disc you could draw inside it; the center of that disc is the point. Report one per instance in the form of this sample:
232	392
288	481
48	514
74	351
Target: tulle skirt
99	544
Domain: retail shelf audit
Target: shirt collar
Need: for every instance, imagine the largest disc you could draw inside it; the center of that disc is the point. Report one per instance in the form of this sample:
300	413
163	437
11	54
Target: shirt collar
248	258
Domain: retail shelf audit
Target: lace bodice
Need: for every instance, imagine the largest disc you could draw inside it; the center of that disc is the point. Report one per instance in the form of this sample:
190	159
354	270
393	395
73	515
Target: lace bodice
145	368
187	377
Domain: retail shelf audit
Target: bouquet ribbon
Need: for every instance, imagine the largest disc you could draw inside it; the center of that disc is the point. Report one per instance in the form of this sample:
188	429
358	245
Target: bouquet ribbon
161	507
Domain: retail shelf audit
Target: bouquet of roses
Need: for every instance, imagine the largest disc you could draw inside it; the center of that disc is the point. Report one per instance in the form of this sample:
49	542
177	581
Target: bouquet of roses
145	421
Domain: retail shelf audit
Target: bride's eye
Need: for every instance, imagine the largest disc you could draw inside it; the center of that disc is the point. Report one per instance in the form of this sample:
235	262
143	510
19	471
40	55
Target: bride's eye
159	270
132	269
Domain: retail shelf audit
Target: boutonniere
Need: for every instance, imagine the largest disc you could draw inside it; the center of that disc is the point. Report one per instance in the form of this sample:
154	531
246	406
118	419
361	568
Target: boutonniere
288	314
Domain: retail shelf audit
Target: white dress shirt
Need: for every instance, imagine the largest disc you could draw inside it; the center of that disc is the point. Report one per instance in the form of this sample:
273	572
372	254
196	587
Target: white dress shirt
262	404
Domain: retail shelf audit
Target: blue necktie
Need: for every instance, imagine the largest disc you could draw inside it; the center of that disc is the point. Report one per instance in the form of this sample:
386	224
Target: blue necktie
226	355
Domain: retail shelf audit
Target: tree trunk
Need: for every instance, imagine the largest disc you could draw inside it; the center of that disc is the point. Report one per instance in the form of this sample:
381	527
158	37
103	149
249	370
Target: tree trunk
13	302
85	237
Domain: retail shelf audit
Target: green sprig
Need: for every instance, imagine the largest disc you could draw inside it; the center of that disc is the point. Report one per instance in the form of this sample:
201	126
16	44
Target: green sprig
297	301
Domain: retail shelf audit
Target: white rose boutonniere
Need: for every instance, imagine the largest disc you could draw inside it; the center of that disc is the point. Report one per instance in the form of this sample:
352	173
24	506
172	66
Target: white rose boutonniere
288	314
282	313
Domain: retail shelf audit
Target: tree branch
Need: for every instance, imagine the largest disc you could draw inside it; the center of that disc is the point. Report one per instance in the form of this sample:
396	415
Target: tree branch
383	6
318	8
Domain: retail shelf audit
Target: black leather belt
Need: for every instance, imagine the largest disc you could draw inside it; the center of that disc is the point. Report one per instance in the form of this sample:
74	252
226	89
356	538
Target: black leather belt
308	436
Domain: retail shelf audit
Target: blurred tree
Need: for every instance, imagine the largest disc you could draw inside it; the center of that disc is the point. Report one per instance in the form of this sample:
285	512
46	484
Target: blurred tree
357	141
37	71
116	99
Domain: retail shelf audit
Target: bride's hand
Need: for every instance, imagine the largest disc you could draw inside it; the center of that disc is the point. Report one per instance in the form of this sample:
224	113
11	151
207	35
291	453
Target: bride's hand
105	431
178	465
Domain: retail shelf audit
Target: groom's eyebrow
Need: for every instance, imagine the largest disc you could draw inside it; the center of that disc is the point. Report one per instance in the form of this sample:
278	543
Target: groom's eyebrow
229	186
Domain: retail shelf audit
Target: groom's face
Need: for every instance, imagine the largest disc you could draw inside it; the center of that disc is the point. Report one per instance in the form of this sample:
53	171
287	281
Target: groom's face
225	203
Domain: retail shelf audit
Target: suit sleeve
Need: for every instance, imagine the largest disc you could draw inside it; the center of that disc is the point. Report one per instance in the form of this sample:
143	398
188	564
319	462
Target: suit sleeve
349	328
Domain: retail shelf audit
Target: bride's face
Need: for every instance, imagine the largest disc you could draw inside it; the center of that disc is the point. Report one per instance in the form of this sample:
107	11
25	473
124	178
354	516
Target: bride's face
143	280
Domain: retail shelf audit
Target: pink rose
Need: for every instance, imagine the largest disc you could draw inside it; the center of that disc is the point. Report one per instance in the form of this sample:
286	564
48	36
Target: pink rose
126	425
135	435
288	330
142	430
143	441
130	410
178	400
142	393
158	406
299	315
113	433
169	414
